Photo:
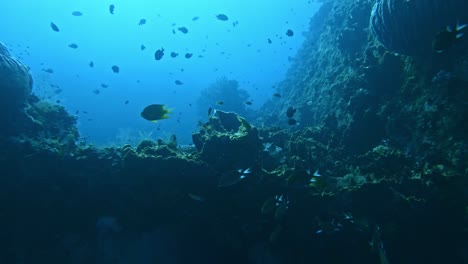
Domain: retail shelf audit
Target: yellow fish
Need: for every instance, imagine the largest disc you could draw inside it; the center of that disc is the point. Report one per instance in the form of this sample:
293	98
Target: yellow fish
156	112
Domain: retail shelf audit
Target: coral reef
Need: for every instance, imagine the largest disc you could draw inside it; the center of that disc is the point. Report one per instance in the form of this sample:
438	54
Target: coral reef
376	170
409	27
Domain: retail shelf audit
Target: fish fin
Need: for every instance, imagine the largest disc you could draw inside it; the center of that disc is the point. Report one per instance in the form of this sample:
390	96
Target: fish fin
459	35
449	29
154	121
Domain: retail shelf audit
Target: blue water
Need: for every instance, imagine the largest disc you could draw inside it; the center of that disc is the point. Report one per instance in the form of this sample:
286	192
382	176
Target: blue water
239	52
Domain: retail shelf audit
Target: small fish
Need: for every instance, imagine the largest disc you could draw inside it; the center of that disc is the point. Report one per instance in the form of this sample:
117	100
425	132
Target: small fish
209	110
248	103
197	198
289	33
54	27
183	30
77	13
48	70
447	38
91	64
103	85
317	173
142	47
96	91
155	112
111	9
115	69
222	17
177	82
142	22
159	54
235	23
220	103
126	102
277	95
188	55
292	122
174	54
290	112
73	46
269	41
195	18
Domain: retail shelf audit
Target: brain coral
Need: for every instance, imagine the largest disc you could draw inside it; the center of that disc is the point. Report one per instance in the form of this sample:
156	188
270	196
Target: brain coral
409	26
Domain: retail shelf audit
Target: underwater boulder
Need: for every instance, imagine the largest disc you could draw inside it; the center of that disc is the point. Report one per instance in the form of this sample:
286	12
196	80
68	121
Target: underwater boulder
409	27
15	85
228	141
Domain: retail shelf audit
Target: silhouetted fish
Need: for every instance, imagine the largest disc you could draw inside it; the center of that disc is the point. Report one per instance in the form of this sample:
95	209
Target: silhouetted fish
142	47
54	27
222	17
290	112
447	38
183	30
188	55
91	64
142	22
159	54
289	33
115	69
177	82
73	46
111	9
174	54
77	13
195	18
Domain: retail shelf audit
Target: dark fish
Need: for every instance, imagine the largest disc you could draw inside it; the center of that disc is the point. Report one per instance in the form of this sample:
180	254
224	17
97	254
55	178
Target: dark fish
73	46
54	27
48	70
142	22
195	18
91	64
235	23
248	103
209	110
174	54
77	13
220	103
290	112
159	54
173	31
111	9
126	101
222	17
58	101
447	38
155	112
142	47
188	55
115	69
96	91
183	30
103	85
177	82
269	41
289	33
292	122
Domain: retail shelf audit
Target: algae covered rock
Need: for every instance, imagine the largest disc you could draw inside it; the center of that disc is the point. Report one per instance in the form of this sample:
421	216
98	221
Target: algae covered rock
15	83
228	141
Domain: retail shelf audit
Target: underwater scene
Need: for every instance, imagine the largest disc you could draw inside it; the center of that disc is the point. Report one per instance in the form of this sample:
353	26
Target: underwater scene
235	131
